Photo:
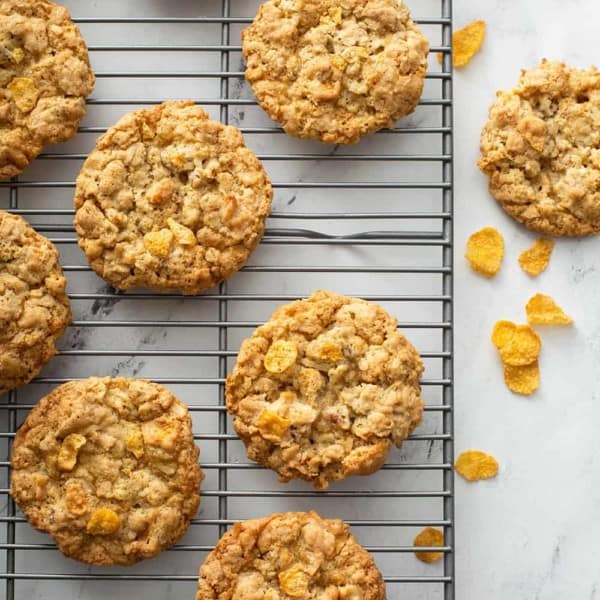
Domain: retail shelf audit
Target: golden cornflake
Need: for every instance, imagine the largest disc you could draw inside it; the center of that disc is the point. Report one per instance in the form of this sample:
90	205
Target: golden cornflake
183	235
280	357
103	521
158	243
474	465
67	455
523	348
503	333
522	380
535	260
18	55
542	310
429	537
485	250
294	582
135	442
24	93
466	42
272	426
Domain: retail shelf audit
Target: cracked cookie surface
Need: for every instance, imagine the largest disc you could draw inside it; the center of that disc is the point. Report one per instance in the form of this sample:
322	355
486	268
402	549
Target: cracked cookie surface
324	388
45	77
290	555
109	468
34	306
541	150
170	200
335	71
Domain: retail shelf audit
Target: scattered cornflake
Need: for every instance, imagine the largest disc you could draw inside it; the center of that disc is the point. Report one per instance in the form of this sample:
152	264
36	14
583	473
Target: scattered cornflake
535	259
522	380
429	537
466	42
542	310
474	465
503	333
485	250
523	348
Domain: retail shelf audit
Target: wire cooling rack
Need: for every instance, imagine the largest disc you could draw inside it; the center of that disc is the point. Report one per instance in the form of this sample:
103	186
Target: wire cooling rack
372	220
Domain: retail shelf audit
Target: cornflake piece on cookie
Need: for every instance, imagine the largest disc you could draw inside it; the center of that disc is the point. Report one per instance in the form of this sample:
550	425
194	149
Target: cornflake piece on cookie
474	465
290	555
524	379
109	468
485	250
429	537
103	521
542	310
280	357
535	259
523	347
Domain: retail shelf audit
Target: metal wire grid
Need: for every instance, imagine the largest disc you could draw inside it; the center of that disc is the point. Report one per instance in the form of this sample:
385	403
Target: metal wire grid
349	235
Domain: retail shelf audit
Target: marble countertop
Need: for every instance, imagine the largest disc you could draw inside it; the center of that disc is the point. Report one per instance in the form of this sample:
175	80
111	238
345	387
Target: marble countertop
531	533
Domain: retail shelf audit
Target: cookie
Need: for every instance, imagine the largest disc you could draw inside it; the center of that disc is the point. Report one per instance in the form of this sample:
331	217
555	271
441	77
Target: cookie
34	307
170	200
335	71
541	150
291	555
109	468
324	388
45	76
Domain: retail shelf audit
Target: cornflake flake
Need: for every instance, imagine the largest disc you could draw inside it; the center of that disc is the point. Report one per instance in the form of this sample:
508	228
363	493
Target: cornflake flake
474	465
429	537
485	250
542	310
534	260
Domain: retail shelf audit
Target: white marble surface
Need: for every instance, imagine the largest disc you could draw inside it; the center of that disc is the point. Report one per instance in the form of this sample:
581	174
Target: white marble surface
531	533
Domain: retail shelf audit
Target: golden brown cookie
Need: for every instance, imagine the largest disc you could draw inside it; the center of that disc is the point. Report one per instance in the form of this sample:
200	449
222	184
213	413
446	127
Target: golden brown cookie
109	468
324	388
170	200
541	150
335	71
45	77
290	555
34	307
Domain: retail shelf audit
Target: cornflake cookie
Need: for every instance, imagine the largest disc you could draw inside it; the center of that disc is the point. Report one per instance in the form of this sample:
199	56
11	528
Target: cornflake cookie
324	388
45	77
291	555
541	150
34	307
170	200
109	468
335	71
